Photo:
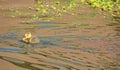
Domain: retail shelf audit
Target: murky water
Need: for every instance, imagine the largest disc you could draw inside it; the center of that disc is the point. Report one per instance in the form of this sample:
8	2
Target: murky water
65	52
115	22
11	50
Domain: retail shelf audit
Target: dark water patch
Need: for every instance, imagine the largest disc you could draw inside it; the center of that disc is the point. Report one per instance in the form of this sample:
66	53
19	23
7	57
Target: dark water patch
42	23
110	49
20	63
68	28
23	44
114	39
50	40
20	44
70	48
61	59
70	36
49	66
63	65
13	60
28	47
48	43
9	36
59	38
58	64
46	26
11	50
81	24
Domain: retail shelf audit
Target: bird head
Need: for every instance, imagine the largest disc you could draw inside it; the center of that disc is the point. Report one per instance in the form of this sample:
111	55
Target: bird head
28	35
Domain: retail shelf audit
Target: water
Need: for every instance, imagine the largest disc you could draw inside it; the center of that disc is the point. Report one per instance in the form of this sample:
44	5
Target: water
56	52
47	26
42	23
11	50
115	22
9	36
55	41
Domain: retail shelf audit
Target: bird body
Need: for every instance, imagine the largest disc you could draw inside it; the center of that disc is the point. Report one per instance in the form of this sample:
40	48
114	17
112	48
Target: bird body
30	39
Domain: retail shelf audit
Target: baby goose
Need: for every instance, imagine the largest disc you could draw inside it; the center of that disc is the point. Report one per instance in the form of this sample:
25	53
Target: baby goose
28	35
29	39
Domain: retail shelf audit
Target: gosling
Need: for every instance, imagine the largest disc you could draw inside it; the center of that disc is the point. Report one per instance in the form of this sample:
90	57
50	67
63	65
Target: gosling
30	39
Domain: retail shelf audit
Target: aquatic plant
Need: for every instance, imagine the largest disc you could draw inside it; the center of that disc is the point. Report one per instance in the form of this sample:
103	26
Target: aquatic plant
59	7
55	8
112	6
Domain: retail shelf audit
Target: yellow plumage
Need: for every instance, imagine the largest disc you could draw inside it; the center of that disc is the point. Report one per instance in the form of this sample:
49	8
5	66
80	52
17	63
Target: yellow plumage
28	35
30	39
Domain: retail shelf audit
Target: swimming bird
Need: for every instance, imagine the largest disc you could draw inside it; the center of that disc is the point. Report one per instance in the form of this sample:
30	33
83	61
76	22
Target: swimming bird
30	39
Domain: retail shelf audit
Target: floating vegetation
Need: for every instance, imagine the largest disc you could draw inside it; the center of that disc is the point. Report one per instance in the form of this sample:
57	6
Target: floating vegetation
54	8
112	6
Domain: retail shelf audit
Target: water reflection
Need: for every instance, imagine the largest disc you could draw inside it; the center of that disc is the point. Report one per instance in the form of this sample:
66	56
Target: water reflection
11	50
